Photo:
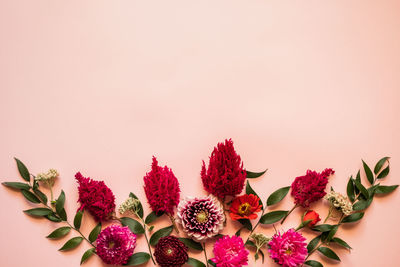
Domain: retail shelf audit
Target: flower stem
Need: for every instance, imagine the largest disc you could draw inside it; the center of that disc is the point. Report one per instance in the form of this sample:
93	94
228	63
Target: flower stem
223	208
287	214
173	223
329	214
205	253
147	240
255	226
77	230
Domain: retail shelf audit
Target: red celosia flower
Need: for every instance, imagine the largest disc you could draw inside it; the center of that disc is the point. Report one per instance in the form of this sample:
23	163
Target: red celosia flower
313	216
310	187
225	175
95	197
161	188
245	207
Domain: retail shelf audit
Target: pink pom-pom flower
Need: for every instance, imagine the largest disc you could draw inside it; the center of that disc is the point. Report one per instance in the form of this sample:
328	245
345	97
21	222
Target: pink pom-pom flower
230	252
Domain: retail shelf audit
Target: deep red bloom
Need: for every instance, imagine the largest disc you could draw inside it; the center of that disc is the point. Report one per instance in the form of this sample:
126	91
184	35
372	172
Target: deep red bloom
95	197
161	188
171	252
245	207
313	216
225	175
310	187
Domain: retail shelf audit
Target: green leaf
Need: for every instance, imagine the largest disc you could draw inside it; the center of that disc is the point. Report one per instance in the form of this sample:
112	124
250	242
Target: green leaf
190	243
313	263
254	174
212	263
250	243
16	185
138	259
362	189
95	233
72	243
87	254
353	217
140	207
78	219
41	195
60	232
328	253
340	242
380	164
23	170
152	217
313	243
332	233
384	173
159	234
278	195
134	225
368	172
195	263
323	228
273	216
250	190
30	196
350	190
383	189
238	232
60	206
53	217
362	204
39	212
246	224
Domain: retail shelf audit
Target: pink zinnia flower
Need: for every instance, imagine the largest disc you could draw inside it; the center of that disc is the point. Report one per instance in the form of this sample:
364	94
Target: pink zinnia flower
288	249
161	188
115	244
310	187
95	197
225	175
230	252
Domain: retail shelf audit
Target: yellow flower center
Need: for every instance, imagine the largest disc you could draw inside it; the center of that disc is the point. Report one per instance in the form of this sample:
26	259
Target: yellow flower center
202	216
288	251
244	209
111	244
169	251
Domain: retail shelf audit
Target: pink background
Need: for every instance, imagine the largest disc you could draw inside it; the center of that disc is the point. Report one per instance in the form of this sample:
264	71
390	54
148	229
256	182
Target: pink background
101	86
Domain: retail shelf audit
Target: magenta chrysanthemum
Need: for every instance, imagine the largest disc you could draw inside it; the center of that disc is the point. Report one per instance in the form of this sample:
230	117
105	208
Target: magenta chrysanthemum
230	252
171	252
225	175
288	249
201	217
161	188
310	187
115	244
95	197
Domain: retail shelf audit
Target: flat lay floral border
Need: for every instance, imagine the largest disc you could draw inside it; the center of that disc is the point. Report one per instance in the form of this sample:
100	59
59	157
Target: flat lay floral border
203	218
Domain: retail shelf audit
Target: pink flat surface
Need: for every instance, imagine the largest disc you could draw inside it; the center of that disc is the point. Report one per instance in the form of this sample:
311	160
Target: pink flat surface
99	87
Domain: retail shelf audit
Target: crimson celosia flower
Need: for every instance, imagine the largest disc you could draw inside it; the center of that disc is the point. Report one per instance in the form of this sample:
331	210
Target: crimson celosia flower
230	252
115	244
225	175
310	187
171	252
313	216
245	207
161	188
288	249
95	197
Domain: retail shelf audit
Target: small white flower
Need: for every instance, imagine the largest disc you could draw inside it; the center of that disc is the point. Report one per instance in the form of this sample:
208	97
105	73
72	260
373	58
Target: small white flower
340	202
47	177
131	204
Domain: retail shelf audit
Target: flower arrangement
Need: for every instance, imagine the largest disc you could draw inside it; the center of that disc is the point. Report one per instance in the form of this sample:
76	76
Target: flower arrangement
203	218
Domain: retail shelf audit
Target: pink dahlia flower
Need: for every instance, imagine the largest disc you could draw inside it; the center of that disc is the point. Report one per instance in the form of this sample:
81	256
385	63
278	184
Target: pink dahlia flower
288	249
230	252
95	197
310	187
161	188
202	217
225	175
115	244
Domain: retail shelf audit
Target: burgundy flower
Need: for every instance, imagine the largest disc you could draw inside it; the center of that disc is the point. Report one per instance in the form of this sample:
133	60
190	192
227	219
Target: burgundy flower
161	188
310	187
95	197
225	175
170	252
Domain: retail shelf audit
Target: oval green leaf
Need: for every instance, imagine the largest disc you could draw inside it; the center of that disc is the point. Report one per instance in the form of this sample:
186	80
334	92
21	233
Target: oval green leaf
134	225
323	228
362	189
95	233
384	189
380	164
39	212
273	216
195	263
246	224
23	170
16	185
159	234
340	242
60	206
350	190
60	232
140	207
384	173
53	217
313	243
313	263
278	195
87	254
190	243
332	233
78	219
138	259
368	173
252	175
41	195
152	217
72	243
353	217
328	253
249	190
30	196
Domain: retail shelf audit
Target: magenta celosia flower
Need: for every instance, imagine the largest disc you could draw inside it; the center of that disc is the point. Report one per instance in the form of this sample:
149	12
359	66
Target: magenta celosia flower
288	249
115	244
225	175
230	252
310	187
171	252
202	217
161	188
95	197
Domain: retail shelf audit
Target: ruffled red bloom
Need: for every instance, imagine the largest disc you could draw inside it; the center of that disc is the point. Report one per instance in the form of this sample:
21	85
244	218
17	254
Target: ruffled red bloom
171	252
161	188
95	197
310	187
313	216
245	207
225	175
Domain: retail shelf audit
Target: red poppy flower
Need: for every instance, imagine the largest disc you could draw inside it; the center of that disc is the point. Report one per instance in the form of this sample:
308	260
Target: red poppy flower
245	207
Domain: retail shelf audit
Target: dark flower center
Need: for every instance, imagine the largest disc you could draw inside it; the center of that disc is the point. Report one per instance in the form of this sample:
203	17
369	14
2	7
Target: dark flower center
111	244
244	209
202	216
